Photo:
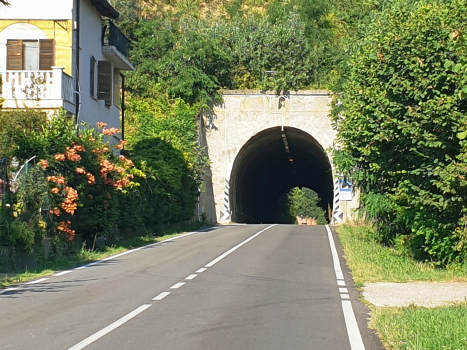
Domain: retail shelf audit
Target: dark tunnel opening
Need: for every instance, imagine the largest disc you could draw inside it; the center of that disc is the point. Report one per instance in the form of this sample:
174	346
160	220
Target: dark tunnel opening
270	164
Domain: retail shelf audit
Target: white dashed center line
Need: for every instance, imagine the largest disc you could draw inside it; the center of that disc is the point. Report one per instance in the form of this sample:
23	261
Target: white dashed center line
215	261
109	328
191	277
201	270
161	296
178	285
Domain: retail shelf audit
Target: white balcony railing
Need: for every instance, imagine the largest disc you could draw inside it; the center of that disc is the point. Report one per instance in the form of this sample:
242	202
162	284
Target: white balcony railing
38	89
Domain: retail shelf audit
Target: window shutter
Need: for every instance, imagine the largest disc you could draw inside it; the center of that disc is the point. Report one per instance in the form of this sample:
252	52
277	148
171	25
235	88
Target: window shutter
46	60
117	88
104	80
14	55
93	77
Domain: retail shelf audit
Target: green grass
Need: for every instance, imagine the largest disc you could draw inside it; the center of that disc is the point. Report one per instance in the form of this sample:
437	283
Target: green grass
419	328
371	262
85	256
414	328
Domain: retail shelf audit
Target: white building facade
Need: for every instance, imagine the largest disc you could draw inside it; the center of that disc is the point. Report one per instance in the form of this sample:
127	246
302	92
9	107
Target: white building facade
64	53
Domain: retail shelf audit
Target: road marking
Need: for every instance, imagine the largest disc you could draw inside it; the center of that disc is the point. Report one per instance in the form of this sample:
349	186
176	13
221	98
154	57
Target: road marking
110	328
201	270
161	296
38	281
122	254
191	277
88	265
140	248
335	257
341	283
62	273
343	290
215	261
181	236
8	290
355	338
178	285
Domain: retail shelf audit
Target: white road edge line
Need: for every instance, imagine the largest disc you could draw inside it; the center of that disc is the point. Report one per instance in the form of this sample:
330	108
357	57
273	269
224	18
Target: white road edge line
343	290
136	249
355	338
335	257
109	328
161	296
341	283
215	261
38	281
61	273
178	285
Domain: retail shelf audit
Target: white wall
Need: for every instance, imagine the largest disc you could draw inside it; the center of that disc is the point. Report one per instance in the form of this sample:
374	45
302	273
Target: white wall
92	111
37	9
23	31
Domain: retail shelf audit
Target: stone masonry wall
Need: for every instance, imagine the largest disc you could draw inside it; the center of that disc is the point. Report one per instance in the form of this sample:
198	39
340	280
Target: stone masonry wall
226	129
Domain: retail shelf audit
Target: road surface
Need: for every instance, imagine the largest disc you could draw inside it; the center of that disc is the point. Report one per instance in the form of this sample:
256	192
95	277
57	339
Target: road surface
229	287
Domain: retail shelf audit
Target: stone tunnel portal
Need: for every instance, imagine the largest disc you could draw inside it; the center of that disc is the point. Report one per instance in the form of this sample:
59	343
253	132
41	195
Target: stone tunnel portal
270	164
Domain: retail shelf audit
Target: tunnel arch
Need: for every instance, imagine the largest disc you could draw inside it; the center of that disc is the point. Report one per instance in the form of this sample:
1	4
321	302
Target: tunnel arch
271	163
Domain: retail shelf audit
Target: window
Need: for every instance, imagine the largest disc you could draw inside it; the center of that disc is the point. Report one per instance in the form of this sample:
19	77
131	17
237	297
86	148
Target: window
104	82
30	54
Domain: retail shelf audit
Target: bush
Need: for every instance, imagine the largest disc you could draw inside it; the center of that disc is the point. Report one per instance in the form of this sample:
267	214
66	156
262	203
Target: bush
15	129
402	125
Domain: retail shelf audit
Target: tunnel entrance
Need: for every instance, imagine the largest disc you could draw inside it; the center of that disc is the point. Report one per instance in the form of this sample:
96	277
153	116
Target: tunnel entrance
270	164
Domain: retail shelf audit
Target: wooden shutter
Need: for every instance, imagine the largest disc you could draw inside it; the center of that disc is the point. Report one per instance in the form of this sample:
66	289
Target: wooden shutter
14	55
46	56
104	80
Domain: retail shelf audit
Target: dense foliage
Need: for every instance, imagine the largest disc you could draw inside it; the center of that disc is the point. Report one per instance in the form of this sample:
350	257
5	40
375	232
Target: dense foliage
275	46
402	126
74	188
302	203
15	128
163	142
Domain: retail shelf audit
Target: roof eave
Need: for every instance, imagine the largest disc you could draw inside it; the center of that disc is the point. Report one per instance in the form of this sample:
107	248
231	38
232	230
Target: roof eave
105	8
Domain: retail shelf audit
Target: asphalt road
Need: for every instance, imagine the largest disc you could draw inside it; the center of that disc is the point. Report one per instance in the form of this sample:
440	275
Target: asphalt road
229	287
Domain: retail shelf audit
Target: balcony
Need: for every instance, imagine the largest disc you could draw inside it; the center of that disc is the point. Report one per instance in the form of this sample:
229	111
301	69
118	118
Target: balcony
50	89
116	46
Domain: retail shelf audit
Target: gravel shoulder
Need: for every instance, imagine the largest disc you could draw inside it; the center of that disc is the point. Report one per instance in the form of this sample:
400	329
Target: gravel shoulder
427	294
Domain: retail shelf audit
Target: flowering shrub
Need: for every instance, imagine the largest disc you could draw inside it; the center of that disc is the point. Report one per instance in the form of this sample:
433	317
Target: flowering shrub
84	177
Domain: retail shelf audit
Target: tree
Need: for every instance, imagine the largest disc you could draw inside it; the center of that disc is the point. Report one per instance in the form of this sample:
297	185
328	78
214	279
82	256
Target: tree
402	125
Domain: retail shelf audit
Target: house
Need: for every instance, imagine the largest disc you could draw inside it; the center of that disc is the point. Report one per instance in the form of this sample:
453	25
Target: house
64	53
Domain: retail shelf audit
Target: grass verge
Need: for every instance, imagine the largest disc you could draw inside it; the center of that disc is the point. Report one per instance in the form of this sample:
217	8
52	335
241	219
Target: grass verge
371	262
414	328
85	256
418	328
